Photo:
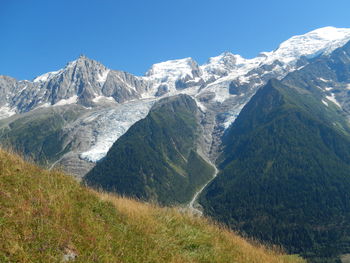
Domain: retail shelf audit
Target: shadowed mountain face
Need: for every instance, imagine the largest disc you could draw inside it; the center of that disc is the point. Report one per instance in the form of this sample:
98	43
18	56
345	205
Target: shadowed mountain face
111	101
157	159
284	161
285	173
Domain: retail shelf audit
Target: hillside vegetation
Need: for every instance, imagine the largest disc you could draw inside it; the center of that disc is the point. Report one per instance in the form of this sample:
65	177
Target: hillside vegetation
285	174
48	217
157	158
39	134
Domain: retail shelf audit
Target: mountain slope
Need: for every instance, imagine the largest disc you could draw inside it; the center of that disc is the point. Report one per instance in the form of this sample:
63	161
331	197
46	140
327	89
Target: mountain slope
115	100
285	174
157	158
329	74
48	217
39	134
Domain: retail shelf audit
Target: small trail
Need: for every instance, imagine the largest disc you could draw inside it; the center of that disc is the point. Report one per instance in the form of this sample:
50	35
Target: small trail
193	206
52	165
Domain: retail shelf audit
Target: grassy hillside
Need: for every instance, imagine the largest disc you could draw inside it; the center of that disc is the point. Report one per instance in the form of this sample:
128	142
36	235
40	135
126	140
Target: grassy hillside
156	159
285	174
47	215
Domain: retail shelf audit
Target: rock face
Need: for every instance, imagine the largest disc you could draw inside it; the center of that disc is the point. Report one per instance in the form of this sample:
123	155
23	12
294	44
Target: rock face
152	137
83	81
112	101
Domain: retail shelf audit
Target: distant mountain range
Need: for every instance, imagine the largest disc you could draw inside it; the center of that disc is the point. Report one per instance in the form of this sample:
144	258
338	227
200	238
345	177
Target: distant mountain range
276	126
110	101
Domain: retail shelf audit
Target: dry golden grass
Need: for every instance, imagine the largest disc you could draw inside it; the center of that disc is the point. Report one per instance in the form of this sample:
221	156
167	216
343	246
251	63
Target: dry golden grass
44	215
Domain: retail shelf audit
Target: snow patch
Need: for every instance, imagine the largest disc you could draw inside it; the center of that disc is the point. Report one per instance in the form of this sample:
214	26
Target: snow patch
6	111
47	76
200	105
324	80
44	105
333	99
101	78
102	98
22	89
70	100
325	102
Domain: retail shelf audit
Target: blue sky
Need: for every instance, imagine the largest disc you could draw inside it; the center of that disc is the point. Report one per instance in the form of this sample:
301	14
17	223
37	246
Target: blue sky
43	35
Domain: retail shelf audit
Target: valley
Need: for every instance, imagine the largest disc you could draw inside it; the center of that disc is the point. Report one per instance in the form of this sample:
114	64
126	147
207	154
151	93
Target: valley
193	205
260	144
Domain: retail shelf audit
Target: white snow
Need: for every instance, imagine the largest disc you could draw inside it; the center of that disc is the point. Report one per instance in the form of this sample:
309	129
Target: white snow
219	88
50	75
103	76
200	105
47	76
229	121
72	64
6	111
221	70
310	44
130	87
113	123
232	115
171	69
221	65
102	98
169	72
324	80
70	100
238	66
22	89
44	105
333	99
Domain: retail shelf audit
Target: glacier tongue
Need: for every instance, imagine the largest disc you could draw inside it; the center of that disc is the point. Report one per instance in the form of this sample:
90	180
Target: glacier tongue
225	83
111	124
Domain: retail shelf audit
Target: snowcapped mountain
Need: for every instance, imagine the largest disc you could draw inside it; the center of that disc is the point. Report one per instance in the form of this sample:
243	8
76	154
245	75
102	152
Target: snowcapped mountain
174	75
83	81
113	100
289	56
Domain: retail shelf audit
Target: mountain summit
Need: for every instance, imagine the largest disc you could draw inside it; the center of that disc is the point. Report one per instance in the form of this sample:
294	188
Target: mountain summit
114	100
275	122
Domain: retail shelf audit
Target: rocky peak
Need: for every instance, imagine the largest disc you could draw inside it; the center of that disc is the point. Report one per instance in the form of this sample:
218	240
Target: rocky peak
172	75
221	65
178	68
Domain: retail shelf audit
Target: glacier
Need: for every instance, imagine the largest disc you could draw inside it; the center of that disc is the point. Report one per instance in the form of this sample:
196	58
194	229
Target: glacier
210	80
